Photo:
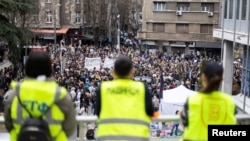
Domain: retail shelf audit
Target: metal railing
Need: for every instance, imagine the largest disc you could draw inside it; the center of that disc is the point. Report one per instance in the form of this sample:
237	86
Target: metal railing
83	120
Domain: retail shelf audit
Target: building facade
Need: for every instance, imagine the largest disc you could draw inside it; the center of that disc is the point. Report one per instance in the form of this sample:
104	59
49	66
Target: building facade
70	20
183	25
234	33
76	20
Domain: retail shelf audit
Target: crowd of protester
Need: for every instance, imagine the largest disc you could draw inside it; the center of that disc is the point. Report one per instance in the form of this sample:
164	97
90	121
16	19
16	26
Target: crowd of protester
159	70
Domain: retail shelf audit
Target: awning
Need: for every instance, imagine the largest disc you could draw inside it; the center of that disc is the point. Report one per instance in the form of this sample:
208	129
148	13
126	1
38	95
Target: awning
63	30
208	45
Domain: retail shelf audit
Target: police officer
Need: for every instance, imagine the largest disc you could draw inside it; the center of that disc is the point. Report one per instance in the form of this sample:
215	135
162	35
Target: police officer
208	106
37	92
123	106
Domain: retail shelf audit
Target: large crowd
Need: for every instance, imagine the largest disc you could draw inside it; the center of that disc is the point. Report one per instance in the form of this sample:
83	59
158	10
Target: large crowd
159	70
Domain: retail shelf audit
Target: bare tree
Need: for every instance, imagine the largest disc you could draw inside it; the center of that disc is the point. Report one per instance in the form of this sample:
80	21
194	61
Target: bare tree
102	17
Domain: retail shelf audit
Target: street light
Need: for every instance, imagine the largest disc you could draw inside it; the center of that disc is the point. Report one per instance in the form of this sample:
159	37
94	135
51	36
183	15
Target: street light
62	43
57	5
118	34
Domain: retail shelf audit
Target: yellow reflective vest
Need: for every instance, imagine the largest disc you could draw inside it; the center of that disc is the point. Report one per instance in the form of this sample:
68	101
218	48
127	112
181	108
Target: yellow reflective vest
208	109
123	112
37	96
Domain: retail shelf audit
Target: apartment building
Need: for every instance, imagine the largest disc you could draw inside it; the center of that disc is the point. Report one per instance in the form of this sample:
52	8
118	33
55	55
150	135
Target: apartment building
179	25
71	19
234	33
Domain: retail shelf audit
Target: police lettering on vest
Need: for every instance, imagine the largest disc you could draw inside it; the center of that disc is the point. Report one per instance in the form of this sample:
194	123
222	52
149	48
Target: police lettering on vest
34	105
123	90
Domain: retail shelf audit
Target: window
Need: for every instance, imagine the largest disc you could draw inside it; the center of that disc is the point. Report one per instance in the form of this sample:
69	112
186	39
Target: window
237	10
35	16
15	19
181	28
207	7
78	17
158	27
206	28
97	19
159	6
231	7
48	17
225	9
244	10
183	7
48	1
78	1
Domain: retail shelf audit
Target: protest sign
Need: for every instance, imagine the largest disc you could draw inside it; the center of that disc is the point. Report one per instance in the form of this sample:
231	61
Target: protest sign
91	63
108	63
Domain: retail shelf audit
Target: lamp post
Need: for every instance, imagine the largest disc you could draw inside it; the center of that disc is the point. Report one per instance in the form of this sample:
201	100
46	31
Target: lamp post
55	30
62	43
57	5
118	34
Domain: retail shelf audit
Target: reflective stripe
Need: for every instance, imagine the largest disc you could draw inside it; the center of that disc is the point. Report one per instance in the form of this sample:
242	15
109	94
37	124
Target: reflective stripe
19	119
192	140
130	138
123	121
48	116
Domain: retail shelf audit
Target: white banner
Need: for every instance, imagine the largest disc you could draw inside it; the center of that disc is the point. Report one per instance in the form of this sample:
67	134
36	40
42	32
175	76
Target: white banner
91	63
108	63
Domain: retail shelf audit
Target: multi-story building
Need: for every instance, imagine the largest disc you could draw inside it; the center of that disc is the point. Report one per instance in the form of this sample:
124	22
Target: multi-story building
234	33
76	20
72	19
179	25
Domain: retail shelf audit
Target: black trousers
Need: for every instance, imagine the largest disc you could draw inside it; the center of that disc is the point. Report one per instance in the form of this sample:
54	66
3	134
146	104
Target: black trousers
77	130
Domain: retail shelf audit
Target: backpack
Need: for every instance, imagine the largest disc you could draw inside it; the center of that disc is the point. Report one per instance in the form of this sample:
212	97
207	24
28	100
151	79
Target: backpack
34	129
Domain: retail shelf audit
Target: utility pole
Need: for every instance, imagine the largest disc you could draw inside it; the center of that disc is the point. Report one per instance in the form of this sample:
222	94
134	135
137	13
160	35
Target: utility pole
109	35
118	34
54	30
55	8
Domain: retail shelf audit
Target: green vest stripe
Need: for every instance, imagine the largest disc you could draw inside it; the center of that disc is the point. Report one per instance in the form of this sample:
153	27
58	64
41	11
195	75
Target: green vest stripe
120	137
123	121
48	116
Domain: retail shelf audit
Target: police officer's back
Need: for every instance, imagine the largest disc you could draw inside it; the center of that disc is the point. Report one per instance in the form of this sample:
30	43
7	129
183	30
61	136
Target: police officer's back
39	96
124	106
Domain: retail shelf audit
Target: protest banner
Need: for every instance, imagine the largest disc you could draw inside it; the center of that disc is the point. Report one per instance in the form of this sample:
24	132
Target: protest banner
91	63
108	63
